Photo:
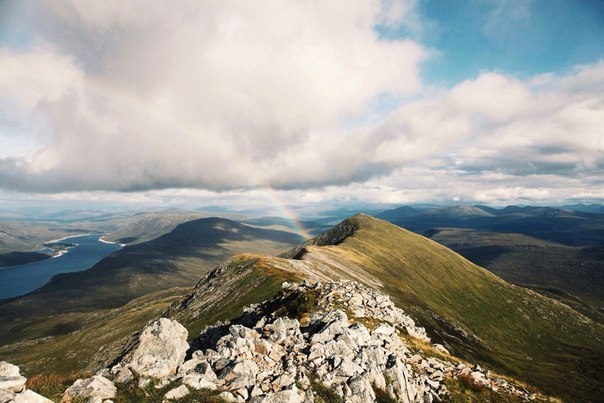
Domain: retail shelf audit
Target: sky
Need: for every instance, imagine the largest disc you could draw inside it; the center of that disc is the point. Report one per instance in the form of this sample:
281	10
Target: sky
276	102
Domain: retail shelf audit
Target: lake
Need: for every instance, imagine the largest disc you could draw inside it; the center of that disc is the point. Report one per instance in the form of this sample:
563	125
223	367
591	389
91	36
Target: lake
22	279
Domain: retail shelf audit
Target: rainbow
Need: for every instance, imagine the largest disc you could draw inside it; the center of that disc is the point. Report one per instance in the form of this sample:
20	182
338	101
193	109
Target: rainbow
282	209
159	113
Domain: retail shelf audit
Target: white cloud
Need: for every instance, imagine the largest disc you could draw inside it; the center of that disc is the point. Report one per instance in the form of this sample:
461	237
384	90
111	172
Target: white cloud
38	76
493	96
506	118
245	95
212	94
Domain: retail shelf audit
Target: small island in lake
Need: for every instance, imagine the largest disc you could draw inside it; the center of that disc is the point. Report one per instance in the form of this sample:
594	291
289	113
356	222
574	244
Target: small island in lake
58	248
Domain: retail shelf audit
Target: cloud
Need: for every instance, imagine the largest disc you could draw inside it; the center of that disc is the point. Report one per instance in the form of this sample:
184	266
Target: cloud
136	96
213	95
498	136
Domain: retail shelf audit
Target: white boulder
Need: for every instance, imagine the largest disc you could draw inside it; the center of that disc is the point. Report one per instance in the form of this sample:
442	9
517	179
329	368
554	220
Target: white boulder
29	396
10	378
96	387
162	349
177	393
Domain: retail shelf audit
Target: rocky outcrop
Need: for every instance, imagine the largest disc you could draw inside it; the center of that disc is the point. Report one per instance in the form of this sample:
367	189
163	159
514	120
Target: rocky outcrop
10	378
161	350
340	337
333	236
94	389
13	388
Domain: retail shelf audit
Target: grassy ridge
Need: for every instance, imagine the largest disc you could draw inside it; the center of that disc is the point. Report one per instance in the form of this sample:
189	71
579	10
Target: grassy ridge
243	280
478	315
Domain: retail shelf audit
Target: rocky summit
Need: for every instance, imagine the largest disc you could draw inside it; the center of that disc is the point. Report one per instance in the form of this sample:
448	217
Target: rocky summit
307	343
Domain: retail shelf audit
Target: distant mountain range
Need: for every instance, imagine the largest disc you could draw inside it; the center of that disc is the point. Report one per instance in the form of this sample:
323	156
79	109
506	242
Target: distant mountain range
588	208
555	250
566	226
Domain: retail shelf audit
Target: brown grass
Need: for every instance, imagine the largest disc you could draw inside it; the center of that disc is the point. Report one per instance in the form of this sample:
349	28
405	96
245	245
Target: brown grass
52	385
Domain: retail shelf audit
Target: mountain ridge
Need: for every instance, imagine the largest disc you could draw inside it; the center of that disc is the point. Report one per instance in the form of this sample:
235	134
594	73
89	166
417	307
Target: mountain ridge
476	315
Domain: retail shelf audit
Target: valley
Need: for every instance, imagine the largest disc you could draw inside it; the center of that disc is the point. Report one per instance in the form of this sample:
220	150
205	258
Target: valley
176	259
68	255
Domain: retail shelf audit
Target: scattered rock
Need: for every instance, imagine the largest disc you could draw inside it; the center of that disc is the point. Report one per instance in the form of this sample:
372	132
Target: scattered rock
10	378
228	397
12	386
360	391
124	375
177	393
284	396
263	356
440	348
270	360
29	396
95	387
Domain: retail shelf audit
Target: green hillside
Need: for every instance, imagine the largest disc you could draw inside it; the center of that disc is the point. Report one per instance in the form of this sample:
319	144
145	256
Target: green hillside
79	341
476	314
524	260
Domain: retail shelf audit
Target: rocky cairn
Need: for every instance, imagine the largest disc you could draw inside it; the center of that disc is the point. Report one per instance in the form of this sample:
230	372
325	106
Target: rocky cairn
339	337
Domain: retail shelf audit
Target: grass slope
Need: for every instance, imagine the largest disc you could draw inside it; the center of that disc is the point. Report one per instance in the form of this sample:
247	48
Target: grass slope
524	260
79	342
478	315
